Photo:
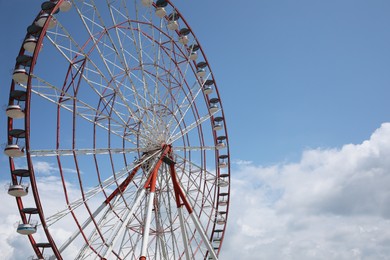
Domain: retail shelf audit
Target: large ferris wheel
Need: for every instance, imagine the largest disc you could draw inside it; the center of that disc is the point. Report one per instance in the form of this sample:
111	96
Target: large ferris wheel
117	99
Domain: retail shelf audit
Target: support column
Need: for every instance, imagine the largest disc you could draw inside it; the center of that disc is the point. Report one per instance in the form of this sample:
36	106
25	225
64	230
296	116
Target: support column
151	185
180	196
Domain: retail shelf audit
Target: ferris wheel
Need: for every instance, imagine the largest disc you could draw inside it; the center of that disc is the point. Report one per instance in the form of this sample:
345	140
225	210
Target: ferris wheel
113	105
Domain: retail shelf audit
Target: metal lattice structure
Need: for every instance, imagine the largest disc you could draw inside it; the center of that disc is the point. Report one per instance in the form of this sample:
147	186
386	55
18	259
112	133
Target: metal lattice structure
114	105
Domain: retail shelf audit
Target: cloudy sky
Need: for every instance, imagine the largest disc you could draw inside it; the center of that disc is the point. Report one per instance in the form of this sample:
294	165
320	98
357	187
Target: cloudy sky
305	87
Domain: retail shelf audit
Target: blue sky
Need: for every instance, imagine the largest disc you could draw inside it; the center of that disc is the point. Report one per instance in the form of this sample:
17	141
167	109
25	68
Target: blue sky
292	74
297	74
304	84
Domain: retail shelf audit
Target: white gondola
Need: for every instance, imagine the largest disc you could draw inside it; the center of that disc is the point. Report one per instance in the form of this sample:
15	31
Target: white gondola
42	20
223	199
201	72
222	164
160	12
173	25
217	126
13	150
221	145
221	220
26	229
18	190
207	90
217	239
213	108
65	6
221	142
14	111
20	76
183	39
147	2
30	44
222	182
222	202
193	55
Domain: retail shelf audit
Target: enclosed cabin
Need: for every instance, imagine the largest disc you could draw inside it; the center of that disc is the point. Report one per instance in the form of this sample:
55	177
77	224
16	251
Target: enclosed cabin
223	199
218	123
31	41
15	109
221	218
30	226
160	8
223	180
201	69
223	161
15	149
18	188
172	21
192	49
183	35
208	86
217	237
20	74
221	142
45	15
42	247
213	105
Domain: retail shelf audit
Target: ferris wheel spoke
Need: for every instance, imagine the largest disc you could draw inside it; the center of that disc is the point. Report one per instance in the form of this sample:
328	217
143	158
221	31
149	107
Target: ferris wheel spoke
194	148
185	105
96	28
208	178
93	70
112	200
180	195
98	189
72	152
120	228
165	200
83	110
121	48
107	61
185	131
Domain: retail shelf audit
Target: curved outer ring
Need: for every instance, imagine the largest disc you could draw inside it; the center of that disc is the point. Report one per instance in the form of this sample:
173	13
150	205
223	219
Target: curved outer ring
34	188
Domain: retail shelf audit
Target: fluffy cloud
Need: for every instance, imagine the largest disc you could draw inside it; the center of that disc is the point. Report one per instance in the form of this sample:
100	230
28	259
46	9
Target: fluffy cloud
332	204
16	246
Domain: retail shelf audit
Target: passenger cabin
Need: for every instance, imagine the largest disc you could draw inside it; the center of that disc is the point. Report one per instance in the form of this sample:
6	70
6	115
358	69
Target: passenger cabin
13	150
41	20
30	43
30	227
20	76
213	106
221	142
218	125
160	8
14	112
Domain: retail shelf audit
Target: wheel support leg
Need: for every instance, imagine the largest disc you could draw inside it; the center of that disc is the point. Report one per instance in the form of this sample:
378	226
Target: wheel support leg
151	185
184	233
181	199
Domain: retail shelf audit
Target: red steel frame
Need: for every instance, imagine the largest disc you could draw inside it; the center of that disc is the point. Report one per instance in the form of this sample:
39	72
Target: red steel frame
180	196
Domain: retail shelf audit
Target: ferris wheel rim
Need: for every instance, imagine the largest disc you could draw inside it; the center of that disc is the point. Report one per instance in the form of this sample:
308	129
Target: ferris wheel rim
29	152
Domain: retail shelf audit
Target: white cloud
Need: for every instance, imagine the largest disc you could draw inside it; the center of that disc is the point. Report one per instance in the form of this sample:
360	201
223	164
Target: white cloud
332	204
